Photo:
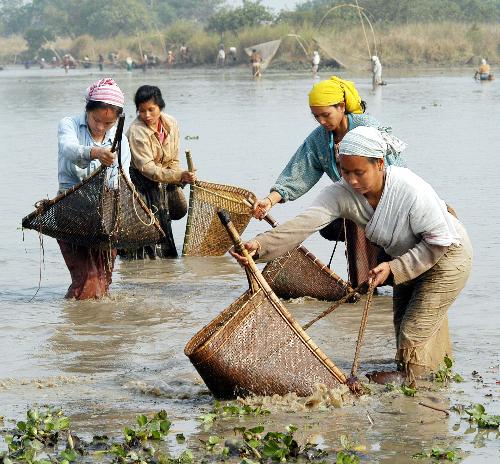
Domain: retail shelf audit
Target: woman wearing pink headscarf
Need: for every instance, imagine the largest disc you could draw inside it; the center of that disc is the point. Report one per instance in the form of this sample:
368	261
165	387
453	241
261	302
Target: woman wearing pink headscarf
84	144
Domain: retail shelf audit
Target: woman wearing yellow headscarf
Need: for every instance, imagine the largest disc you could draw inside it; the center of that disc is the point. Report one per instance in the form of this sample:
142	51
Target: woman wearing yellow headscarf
337	106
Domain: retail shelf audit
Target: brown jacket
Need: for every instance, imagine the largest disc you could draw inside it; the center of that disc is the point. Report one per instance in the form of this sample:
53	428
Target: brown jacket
158	162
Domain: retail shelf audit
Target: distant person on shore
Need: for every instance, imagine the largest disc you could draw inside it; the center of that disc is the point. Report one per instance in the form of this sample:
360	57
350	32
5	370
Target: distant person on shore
42	63
183	54
376	72
53	62
101	62
221	56
315	63
129	63
144	62
170	59
256	61
84	142
232	54
484	72
66	63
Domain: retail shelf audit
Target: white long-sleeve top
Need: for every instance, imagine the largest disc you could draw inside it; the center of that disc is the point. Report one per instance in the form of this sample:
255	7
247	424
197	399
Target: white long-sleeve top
410	222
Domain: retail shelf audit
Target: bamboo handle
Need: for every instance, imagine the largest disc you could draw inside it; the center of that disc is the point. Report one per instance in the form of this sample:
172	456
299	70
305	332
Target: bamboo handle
238	244
118	133
268	218
256	274
189	159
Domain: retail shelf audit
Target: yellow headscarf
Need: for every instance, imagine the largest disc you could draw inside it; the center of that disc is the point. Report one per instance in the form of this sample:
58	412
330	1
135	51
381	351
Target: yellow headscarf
336	90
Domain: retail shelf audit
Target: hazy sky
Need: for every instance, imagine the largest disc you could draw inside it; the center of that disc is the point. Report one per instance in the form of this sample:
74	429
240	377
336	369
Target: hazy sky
276	5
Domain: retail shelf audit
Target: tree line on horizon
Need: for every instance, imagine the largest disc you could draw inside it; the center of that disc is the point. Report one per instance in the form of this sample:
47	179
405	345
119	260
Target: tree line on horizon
41	21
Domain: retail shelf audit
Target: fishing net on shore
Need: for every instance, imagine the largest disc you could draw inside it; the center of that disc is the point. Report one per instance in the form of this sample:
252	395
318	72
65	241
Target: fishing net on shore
266	50
205	235
97	213
255	346
299	273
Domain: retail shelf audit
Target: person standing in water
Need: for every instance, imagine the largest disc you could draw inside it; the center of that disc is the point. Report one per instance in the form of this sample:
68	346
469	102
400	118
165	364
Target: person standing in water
256	61
376	72
315	63
484	72
154	142
85	142
338	108
429	254
221	57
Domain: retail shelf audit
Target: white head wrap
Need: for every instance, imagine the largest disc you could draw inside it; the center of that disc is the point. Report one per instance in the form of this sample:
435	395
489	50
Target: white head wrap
371	143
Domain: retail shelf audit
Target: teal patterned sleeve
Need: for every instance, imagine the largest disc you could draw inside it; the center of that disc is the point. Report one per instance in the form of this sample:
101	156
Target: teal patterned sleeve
303	170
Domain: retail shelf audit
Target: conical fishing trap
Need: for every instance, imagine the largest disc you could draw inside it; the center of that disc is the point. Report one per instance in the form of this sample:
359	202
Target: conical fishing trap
205	235
256	346
98	214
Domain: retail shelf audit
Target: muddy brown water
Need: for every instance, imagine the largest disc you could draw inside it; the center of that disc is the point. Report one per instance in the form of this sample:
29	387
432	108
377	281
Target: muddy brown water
105	361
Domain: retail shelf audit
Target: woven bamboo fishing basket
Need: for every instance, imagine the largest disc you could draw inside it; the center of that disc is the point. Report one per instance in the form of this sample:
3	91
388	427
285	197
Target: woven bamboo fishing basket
362	255
299	273
256	347
205	235
94	215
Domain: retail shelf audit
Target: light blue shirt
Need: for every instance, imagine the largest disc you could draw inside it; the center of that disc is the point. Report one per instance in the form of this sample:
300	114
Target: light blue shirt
316	156
75	143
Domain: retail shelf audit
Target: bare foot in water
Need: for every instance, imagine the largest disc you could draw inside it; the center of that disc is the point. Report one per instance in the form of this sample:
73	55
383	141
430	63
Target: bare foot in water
384	377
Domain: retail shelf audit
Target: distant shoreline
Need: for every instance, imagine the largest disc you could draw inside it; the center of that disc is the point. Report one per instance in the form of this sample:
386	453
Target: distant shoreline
434	44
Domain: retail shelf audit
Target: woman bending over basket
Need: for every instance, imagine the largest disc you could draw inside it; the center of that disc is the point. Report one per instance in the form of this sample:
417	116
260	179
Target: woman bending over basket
430	252
84	144
336	105
155	170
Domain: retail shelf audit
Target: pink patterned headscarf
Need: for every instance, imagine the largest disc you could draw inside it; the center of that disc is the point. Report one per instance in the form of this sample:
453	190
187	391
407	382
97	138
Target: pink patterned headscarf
107	91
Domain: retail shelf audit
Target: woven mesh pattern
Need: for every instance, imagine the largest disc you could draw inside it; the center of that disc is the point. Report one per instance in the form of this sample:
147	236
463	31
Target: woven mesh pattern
362	255
254	346
93	215
299	273
205	235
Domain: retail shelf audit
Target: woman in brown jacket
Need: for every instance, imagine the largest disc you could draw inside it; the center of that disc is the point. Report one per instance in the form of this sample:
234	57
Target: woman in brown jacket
155	169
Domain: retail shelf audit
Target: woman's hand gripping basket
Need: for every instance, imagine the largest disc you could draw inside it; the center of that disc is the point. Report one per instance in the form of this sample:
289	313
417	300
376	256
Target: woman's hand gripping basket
256	347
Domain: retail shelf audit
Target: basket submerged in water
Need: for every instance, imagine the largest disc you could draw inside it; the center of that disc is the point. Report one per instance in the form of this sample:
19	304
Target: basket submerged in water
256	347
94	215
299	273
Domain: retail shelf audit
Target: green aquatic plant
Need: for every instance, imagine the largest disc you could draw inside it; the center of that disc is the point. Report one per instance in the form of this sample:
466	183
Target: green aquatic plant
444	374
149	429
37	440
405	389
230	409
477	414
347	457
235	409
212	442
439	454
408	391
40	430
274	446
348	452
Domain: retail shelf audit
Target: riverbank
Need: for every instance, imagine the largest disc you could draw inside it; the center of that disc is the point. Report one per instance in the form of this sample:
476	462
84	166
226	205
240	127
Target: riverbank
443	44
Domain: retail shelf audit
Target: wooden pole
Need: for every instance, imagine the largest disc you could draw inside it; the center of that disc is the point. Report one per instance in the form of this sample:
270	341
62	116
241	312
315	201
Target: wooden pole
192	192
285	314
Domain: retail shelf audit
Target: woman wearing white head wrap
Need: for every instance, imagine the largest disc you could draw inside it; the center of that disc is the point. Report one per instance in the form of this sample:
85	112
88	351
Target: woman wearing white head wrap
430	252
